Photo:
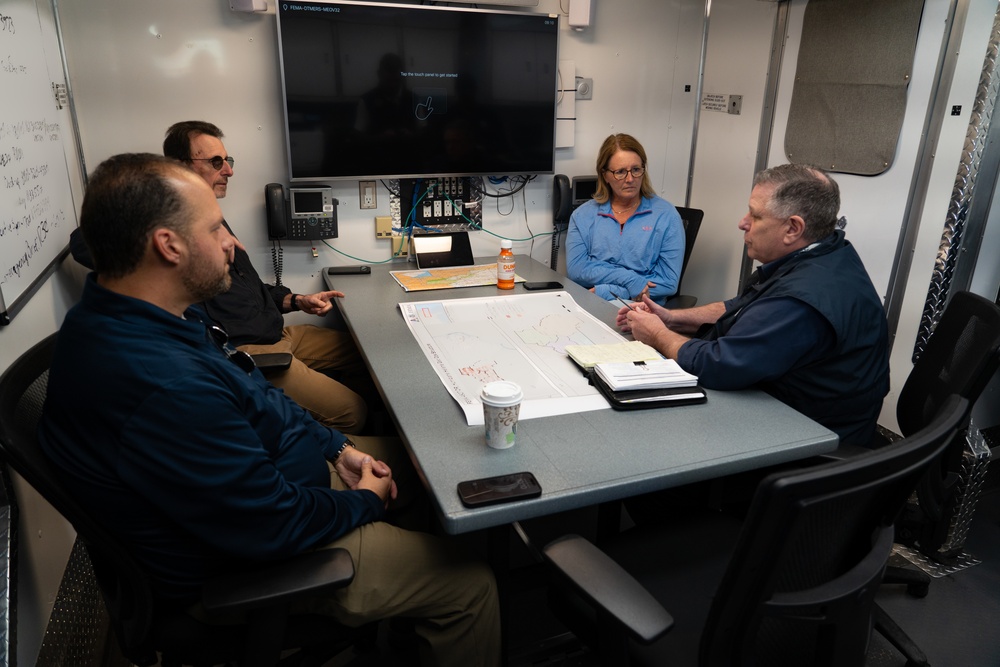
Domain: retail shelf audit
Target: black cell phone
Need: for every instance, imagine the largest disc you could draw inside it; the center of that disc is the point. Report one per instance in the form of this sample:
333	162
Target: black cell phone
501	489
348	270
543	285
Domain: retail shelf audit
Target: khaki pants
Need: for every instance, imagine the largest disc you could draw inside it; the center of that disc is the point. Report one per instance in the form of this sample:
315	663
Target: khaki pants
315	350
451	598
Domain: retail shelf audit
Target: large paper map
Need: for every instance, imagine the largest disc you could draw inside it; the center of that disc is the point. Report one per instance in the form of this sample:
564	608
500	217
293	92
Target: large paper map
447	278
521	338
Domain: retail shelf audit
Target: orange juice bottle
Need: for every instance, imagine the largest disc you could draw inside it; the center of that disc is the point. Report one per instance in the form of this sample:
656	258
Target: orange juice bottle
505	265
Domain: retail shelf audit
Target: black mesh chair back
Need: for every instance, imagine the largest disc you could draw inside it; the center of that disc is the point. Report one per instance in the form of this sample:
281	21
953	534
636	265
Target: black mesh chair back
800	586
960	358
691	217
22	394
141	627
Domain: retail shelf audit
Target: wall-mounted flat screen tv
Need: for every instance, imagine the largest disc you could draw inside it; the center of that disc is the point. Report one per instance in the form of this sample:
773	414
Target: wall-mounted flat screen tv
374	90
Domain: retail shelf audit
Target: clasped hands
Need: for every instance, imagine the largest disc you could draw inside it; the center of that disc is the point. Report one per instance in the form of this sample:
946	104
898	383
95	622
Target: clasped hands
360	471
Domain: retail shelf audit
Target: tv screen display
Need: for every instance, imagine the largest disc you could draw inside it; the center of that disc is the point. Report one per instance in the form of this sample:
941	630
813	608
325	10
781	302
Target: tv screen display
381	90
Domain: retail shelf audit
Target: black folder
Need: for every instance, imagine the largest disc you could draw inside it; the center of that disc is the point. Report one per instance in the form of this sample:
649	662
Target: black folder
642	399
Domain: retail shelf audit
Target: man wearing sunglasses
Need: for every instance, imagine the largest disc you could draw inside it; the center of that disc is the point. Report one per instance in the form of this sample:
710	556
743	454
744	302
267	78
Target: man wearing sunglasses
251	311
199	464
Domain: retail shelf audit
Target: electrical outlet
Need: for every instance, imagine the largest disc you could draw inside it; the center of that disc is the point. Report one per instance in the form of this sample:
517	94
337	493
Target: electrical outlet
383	226
366	192
400	246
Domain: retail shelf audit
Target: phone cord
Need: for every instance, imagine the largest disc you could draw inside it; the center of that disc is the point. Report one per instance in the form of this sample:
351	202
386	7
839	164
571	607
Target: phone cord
276	261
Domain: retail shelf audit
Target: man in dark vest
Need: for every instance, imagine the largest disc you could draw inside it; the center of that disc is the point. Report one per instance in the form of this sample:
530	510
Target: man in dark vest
809	329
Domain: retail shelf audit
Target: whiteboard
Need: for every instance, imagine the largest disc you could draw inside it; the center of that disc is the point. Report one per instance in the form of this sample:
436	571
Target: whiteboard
37	212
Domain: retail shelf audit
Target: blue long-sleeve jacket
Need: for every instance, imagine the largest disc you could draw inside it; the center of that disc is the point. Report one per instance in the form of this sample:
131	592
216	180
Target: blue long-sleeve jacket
193	462
617	260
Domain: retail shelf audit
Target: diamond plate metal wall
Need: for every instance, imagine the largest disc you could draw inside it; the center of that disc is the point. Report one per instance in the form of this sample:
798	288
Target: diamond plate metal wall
976	141
957	222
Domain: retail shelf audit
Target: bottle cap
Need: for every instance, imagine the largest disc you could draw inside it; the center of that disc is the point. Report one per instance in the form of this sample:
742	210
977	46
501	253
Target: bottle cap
506	243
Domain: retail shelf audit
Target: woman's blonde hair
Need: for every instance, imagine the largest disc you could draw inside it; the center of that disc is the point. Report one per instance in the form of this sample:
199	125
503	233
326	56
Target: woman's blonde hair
611	145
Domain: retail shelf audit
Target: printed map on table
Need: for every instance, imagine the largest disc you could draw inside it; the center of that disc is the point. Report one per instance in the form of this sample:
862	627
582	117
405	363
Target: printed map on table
451	277
521	338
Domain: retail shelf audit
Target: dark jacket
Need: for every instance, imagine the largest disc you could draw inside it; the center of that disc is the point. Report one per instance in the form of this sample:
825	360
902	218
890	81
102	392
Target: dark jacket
197	465
844	388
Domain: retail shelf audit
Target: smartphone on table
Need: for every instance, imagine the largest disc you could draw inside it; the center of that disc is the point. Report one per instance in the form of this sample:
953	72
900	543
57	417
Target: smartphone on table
499	489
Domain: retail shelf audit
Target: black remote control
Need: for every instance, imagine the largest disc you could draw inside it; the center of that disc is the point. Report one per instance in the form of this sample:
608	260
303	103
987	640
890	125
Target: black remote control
348	270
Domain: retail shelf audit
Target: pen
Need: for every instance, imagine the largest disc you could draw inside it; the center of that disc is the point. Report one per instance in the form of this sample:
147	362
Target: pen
627	304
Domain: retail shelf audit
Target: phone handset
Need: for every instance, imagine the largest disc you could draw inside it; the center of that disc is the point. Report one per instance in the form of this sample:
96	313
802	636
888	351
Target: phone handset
277	211
562	200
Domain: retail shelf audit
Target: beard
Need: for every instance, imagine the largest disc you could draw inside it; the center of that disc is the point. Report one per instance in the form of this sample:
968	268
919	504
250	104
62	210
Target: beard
203	290
203	280
203	286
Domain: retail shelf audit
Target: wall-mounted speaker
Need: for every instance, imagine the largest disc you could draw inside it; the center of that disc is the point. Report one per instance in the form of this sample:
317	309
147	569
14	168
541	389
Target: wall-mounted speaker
579	14
248	5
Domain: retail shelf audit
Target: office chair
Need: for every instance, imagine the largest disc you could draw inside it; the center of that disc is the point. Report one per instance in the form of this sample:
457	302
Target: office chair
691	217
792	584
141	625
961	356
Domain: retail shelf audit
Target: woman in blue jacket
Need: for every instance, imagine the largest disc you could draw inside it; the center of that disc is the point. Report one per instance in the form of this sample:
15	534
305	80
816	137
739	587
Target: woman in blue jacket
626	240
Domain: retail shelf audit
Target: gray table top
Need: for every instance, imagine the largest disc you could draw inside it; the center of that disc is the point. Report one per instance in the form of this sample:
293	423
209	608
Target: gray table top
579	459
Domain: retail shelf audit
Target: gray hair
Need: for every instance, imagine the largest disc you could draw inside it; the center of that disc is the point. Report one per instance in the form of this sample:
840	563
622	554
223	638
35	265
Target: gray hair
805	191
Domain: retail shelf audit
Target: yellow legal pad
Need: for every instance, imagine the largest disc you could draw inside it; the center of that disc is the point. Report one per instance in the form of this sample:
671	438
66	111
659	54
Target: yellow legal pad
588	355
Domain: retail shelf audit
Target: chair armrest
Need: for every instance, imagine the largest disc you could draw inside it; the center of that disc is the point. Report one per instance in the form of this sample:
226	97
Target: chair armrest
842	453
607	586
304	576
272	361
680	301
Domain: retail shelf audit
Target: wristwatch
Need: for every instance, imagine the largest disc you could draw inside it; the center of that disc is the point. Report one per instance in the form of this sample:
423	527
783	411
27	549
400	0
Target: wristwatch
347	443
295	303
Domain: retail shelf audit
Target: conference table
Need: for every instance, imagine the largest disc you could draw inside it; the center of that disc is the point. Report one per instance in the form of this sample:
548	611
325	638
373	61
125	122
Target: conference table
580	460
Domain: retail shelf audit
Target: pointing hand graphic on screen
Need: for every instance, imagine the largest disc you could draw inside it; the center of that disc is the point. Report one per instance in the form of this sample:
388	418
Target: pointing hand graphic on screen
424	109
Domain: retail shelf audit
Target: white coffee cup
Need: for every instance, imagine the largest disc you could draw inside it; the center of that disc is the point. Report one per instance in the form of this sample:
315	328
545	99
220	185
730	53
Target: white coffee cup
501	404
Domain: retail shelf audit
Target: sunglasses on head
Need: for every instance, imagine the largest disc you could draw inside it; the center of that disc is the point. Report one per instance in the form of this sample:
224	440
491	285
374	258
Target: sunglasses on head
217	161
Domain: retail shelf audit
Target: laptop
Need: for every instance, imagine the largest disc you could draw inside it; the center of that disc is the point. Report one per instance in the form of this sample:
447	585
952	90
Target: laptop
435	251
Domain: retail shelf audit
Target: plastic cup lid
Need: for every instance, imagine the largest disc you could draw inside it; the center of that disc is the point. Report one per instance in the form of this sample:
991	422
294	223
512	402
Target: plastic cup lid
502	393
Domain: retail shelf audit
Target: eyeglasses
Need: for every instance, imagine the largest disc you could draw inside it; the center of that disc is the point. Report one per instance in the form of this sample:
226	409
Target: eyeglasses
217	161
620	174
238	357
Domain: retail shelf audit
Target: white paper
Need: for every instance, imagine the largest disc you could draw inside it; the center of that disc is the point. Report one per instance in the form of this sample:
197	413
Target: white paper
521	338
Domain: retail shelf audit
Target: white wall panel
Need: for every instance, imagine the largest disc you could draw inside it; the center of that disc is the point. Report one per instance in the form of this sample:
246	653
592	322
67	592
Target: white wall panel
739	47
